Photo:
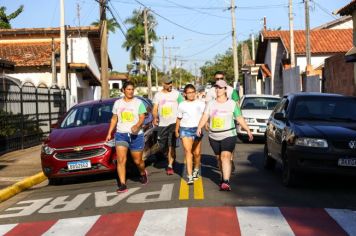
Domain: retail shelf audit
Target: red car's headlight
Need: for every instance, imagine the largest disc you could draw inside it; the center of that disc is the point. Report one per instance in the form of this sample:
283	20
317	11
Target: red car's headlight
47	149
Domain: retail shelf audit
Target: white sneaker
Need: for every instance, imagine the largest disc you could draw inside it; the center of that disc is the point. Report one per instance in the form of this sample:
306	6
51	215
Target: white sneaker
196	174
190	180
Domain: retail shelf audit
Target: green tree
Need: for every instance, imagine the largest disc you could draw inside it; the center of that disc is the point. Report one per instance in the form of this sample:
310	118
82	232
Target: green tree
5	19
135	35
181	74
224	62
112	25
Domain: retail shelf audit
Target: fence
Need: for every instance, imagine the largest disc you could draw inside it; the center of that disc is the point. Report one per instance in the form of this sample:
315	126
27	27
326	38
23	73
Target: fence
27	113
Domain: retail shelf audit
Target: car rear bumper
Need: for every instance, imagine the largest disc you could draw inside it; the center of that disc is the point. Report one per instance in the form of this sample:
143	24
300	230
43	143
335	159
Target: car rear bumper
314	161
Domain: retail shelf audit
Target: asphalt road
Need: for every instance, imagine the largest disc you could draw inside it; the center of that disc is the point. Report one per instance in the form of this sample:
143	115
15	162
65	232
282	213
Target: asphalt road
251	186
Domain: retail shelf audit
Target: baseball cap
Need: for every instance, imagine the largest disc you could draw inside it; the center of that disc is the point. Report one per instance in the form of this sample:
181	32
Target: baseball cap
221	83
167	80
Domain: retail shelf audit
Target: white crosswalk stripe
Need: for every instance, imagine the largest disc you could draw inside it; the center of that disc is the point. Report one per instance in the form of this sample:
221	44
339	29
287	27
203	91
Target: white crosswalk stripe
72	226
345	218
255	221
163	222
262	221
6	228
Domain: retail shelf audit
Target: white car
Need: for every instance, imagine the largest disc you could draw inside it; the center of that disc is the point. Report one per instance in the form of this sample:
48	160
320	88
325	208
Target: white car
256	110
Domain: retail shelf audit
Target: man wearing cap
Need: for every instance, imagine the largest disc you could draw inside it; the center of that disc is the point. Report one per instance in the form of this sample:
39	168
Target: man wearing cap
230	91
165	105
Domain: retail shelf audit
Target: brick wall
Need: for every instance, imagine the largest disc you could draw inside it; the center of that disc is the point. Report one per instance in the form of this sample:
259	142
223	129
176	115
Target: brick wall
339	76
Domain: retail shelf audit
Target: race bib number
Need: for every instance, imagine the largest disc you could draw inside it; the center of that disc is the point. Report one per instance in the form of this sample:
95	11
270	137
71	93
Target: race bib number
166	111
127	116
218	123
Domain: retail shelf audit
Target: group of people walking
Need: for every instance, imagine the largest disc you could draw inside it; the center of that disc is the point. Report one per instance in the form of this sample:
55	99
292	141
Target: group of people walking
179	117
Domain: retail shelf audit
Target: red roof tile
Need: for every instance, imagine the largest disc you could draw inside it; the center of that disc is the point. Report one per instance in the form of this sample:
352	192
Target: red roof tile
28	54
265	70
322	41
348	9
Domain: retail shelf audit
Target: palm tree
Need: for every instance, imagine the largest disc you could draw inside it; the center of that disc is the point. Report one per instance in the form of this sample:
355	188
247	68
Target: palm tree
135	35
112	25
5	19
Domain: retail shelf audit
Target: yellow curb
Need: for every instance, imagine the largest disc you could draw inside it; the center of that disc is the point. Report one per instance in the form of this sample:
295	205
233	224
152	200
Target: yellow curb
18	187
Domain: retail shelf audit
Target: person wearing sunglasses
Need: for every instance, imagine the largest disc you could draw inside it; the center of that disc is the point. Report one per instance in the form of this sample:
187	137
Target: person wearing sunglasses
221	114
230	91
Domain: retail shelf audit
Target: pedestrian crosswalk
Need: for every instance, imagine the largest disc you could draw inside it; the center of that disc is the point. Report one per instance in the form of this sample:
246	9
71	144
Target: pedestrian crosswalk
274	221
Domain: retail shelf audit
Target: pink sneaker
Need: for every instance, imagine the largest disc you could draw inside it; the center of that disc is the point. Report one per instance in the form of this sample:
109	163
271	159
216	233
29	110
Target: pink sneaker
170	171
144	179
225	187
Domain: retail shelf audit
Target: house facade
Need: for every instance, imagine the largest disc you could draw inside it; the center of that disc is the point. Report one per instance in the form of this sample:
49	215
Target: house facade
274	52
35	53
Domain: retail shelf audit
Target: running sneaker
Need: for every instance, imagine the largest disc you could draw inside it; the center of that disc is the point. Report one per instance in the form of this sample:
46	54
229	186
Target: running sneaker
225	186
122	189
196	174
170	171
144	178
190	180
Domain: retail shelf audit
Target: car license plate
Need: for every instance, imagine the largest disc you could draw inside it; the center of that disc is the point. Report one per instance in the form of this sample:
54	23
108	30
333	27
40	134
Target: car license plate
262	129
347	162
78	165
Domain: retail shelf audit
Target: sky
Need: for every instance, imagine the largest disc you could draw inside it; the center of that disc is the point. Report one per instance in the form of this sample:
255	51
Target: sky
196	30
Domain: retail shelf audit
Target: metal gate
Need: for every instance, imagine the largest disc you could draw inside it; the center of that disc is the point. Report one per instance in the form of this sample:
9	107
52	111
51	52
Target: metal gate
27	113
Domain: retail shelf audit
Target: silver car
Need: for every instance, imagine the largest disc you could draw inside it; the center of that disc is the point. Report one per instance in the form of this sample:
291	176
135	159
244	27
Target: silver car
256	110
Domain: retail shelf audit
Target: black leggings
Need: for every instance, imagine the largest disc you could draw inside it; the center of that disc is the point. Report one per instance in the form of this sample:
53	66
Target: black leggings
227	144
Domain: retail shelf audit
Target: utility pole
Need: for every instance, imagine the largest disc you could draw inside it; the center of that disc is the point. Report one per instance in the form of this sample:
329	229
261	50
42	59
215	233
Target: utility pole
234	43
163	55
307	32
147	55
104	51
253	46
54	68
78	13
156	70
64	81
163	52
291	34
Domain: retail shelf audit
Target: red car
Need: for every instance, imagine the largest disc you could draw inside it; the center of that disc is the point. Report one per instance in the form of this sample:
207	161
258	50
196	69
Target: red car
76	146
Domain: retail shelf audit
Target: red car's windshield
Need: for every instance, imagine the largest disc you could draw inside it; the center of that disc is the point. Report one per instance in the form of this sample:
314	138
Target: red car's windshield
88	115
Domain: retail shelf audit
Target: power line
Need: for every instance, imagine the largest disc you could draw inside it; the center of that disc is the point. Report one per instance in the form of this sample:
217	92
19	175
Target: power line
122	22
194	9
211	46
181	26
113	16
324	9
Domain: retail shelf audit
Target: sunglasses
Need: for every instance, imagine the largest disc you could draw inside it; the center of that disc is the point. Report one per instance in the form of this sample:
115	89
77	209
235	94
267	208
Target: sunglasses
218	78
218	87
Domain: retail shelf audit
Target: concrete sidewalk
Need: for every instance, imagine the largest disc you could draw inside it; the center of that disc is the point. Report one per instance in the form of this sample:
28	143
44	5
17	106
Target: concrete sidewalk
20	170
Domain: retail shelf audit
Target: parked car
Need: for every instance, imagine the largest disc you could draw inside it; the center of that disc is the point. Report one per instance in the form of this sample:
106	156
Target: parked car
312	132
256	110
76	146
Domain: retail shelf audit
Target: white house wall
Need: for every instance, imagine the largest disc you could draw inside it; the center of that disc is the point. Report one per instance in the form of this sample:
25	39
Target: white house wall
81	51
315	61
344	25
274	55
36	78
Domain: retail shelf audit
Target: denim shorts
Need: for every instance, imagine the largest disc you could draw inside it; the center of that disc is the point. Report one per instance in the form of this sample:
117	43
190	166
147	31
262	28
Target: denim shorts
131	141
190	132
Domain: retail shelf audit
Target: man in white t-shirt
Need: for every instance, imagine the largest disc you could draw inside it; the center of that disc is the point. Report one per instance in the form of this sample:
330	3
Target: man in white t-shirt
165	105
231	92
